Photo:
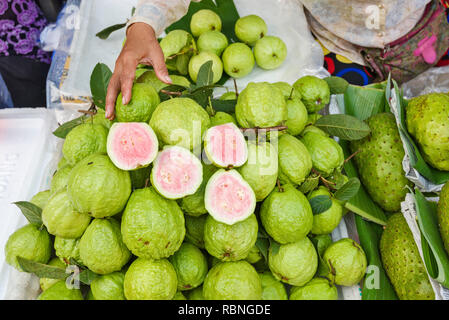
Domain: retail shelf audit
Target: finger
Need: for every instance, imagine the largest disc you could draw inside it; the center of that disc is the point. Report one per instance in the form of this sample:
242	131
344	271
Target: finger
111	96
127	79
158	62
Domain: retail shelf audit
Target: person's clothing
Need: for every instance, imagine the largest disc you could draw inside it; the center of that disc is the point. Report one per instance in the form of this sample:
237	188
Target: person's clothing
25	80
21	22
5	96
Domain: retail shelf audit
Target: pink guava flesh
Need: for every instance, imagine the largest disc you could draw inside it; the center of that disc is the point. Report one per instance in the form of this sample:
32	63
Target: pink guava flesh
226	145
176	173
229	198
132	145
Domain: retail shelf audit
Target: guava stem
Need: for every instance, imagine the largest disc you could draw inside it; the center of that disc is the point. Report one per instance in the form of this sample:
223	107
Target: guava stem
179	54
235	87
147	181
171	93
352	156
326	183
88	112
278	182
291	94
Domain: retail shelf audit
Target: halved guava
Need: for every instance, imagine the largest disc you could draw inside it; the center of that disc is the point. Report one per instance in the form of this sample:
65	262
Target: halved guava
132	145
176	172
225	146
229	198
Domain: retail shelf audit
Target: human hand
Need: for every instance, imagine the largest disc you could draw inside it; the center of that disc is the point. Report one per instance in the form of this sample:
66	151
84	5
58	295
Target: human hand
141	46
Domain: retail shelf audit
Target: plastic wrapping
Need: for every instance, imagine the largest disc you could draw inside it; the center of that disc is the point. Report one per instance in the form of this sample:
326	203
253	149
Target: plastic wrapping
433	80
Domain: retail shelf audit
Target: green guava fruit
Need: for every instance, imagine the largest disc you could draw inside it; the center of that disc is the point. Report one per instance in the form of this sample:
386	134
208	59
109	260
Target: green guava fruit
89	295
98	187
108	287
254	255
204	20
178	47
238	60
295	161
402	261
67	250
315	92
152	226
190	265
28	242
315	289
60	179
61	219
272	289
250	28
194	205
236	280
100	118
443	215
313	117
180	121
326	153
176	173
427	122
195	294
379	162
141	106
150	280
261	169
151	78
84	140
222	118
286	214
59	291
140	177
230	242
297	116
225	146
195	230
101	247
346	261
228	197
62	162
230	95
270	52
325	222
212	41
287	90
312	128
40	199
179	296
260	105
294	263
132	145
46	283
201	58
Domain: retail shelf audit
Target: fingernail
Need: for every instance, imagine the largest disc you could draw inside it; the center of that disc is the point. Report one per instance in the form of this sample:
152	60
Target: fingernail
167	78
107	114
124	100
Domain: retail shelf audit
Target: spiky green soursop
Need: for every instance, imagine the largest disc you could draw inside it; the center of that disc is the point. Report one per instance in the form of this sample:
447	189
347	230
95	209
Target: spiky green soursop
180	121
427	121
380	162
98	188
236	280
101	247
315	289
443	215
294	263
230	242
261	169
295	161
286	214
260	105
402	262
28	242
152	226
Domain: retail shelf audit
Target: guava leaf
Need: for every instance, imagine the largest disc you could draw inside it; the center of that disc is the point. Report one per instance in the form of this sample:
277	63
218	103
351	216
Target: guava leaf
31	212
106	32
263	244
87	276
42	270
321	243
171	91
205	75
99	81
274	246
64	129
337	85
344	126
348	190
320	204
227	106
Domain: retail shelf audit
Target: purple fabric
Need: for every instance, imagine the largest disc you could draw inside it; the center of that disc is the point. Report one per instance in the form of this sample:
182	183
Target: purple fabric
21	22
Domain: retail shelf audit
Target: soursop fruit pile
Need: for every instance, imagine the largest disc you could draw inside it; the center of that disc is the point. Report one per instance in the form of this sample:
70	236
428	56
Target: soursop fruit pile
176	200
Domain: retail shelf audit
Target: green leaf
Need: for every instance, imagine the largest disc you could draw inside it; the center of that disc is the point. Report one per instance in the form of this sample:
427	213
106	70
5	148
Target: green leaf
263	244
87	276
344	126
205	75
348	190
105	33
320	204
274	246
321	243
64	129
99	81
227	106
171	88
337	85
31	212
42	270
363	102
